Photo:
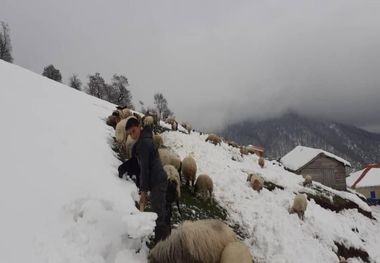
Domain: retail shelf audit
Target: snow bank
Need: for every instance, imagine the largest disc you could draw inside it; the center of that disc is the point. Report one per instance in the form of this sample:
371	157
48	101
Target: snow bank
60	199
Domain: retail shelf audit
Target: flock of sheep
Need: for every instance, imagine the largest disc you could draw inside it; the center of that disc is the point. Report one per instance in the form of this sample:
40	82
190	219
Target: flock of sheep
203	240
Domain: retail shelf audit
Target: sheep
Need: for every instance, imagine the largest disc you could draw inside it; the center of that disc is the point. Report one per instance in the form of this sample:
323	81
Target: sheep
299	206
204	186
189	170
173	175
154	115
120	132
261	162
173	192
122	113
236	252
187	126
256	182
170	120
157	140
244	150
169	157
175	126
128	146
148	121
308	181
197	241
214	139
112	121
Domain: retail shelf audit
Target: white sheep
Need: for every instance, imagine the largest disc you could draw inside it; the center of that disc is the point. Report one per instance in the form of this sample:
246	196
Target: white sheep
299	206
214	139
204	186
189	170
170	120
197	241
187	126
308	181
120	132
122	113
169	157
158	141
236	252
148	121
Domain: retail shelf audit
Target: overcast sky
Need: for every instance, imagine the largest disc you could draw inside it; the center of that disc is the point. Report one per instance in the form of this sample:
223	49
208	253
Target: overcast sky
215	61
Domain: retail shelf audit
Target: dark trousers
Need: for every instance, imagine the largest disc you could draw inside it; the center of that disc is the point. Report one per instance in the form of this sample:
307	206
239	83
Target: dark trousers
158	202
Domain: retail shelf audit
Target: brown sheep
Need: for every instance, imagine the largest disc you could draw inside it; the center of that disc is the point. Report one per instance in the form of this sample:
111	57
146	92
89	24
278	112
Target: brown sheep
112	121
236	252
189	170
299	206
214	139
122	113
204	186
256	181
261	162
194	242
243	150
175	126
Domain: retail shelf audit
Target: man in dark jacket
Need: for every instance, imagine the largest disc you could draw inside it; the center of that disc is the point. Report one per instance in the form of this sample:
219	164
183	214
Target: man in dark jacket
152	175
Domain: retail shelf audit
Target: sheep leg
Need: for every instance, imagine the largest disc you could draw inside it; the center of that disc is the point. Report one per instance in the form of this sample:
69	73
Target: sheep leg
179	209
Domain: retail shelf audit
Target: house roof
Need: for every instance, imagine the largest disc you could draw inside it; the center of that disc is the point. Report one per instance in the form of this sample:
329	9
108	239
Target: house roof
369	176
302	155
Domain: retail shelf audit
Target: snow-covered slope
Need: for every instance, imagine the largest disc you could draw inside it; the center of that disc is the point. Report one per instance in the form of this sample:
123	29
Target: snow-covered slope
274	235
60	200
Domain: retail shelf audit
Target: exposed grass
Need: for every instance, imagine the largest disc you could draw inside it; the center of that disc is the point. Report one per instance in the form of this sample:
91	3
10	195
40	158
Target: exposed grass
351	252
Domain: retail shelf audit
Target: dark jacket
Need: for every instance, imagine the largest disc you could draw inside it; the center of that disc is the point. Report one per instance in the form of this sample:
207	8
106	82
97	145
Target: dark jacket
151	170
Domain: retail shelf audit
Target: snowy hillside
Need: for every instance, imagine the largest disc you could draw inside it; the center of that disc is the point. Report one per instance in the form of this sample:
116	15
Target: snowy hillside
61	201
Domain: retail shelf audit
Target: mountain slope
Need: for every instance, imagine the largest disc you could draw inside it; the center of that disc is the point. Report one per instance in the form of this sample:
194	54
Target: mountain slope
282	134
61	201
59	197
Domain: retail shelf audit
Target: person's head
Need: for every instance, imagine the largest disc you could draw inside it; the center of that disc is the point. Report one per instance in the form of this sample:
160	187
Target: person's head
132	127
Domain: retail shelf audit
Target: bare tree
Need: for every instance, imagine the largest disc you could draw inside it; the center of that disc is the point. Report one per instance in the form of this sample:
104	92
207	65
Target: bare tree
52	73
162	106
5	43
75	82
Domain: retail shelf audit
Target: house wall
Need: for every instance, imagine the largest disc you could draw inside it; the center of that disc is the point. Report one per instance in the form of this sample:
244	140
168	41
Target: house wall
366	191
327	171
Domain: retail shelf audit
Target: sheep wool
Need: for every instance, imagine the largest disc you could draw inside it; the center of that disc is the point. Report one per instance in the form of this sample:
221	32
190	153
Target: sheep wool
204	186
236	252
173	175
299	205
308	181
189	169
197	241
214	139
257	182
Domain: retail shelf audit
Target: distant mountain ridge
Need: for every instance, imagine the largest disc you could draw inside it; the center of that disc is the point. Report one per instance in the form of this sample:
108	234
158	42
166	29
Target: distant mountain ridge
280	135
